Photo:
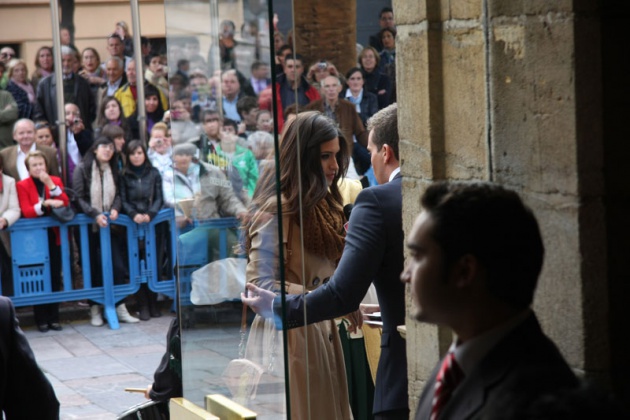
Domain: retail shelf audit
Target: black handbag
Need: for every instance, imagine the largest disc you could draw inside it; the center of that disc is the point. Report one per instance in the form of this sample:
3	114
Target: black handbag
63	214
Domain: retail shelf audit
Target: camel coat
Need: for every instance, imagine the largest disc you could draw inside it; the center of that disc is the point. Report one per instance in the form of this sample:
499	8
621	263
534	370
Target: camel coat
327	389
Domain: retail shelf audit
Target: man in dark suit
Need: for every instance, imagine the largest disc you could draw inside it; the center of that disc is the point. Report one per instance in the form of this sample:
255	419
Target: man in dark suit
75	90
13	156
25	393
475	257
373	253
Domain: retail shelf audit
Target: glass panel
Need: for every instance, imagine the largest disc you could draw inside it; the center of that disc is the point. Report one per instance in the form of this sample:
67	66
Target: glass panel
218	64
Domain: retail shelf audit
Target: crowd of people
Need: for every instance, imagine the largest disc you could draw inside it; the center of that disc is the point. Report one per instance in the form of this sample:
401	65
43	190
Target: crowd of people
209	154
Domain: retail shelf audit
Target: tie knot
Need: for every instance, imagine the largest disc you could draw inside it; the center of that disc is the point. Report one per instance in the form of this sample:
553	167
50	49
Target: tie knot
450	371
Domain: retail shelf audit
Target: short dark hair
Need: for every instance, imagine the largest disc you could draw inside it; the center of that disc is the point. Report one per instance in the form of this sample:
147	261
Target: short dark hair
113	131
493	224
385	10
258	64
384	128
282	49
207	112
230	123
295	57
246	104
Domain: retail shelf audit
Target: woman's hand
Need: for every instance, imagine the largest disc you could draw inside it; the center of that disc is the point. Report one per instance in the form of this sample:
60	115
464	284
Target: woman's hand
45	178
101	220
260	300
138	218
53	202
113	214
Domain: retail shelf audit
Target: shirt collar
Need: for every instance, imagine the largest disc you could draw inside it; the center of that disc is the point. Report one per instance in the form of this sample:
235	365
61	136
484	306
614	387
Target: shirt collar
471	352
394	173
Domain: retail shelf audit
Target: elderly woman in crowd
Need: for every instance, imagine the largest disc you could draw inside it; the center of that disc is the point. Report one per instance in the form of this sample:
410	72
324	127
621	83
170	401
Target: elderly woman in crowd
44	64
21	88
142	199
9	214
91	69
376	81
38	195
95	182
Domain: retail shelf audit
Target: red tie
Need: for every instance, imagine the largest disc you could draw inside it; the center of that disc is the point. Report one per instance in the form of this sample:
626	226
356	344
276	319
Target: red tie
449	376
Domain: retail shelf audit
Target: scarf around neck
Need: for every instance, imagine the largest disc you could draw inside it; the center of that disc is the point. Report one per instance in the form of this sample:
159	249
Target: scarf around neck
323	231
102	188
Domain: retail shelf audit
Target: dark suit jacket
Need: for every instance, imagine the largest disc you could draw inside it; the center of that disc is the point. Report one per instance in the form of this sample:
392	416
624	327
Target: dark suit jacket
521	367
46	107
25	393
9	158
373	253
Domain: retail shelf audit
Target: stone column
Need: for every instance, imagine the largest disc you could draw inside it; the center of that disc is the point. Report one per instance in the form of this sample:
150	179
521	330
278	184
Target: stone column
326	31
511	92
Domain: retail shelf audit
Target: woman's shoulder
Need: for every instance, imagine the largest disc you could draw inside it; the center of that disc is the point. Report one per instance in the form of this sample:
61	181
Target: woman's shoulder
7	180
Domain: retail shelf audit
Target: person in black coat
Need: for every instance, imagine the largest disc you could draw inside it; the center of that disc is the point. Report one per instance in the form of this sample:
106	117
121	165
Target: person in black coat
25	392
365	102
76	90
140	189
376	81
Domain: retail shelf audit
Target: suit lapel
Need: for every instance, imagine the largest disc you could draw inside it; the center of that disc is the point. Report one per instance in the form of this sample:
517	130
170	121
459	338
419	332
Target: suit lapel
470	397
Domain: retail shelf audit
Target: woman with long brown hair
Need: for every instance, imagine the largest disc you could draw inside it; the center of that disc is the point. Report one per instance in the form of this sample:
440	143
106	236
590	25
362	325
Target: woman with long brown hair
314	155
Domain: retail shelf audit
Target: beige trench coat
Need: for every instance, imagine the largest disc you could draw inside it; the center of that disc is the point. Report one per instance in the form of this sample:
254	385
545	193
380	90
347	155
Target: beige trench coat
327	388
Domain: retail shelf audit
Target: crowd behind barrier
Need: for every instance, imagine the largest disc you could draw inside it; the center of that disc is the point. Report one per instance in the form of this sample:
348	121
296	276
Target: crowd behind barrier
31	266
31	262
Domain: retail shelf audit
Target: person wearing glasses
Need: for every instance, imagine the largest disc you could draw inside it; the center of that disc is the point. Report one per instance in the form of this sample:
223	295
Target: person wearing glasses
6	54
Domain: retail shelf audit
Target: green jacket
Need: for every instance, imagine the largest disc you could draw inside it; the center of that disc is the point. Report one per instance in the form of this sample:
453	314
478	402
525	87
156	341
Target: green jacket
244	161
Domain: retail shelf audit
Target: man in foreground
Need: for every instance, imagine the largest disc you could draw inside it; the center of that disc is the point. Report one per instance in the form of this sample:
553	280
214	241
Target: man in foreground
475	257
25	393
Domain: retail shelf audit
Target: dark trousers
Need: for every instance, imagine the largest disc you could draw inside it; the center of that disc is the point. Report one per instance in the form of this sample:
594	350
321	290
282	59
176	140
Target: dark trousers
6	271
402	414
119	261
48	313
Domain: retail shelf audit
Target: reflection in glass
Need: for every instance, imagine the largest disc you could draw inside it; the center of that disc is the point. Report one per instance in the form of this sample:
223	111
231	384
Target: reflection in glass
313	238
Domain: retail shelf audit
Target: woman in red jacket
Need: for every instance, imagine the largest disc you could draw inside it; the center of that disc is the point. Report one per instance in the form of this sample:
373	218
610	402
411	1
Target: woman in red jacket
38	194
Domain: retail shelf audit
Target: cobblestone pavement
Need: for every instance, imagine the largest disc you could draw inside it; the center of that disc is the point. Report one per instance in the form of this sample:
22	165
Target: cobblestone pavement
89	367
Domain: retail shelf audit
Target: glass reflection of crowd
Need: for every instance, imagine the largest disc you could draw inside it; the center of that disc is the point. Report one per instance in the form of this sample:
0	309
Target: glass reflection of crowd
209	130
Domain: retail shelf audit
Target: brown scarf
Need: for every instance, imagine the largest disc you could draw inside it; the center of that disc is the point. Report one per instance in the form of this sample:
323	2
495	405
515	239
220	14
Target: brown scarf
323	231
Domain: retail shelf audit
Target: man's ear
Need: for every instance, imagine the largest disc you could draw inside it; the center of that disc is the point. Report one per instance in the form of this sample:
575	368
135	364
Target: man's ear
387	153
466	270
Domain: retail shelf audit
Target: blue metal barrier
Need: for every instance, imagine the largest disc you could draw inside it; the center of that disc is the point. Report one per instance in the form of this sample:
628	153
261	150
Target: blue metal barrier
31	262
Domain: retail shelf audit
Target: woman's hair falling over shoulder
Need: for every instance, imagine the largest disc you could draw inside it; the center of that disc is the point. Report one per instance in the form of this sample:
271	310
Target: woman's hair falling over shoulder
300	162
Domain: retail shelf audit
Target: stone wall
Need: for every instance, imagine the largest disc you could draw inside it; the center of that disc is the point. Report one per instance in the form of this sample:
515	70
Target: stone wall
326	32
511	92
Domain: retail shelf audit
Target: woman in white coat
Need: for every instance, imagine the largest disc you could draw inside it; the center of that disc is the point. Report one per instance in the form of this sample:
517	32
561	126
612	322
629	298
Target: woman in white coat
9	214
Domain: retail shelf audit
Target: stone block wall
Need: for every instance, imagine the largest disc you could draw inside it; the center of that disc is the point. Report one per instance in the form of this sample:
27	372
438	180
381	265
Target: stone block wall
511	92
